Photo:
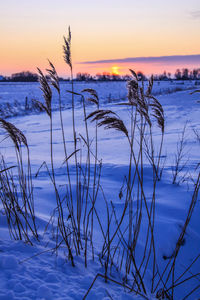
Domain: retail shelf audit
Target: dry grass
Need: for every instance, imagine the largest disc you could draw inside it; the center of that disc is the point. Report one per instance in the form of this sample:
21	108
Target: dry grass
17	199
120	247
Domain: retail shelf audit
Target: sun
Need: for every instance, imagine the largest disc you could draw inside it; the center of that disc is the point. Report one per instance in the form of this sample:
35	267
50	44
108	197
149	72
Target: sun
115	70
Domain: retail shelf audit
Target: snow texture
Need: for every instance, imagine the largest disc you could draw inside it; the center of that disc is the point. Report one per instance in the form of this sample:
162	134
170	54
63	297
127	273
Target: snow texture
37	272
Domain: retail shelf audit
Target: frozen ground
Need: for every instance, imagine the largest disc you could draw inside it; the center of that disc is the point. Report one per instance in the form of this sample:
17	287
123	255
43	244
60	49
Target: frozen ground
16	98
36	272
13	91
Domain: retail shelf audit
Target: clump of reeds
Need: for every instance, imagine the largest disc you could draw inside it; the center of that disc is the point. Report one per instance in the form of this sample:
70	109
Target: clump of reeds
145	110
17	194
146	107
120	245
77	208
47	106
76	212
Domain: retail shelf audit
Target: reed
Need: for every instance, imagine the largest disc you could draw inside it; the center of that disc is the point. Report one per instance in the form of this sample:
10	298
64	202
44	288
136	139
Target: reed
76	212
17	194
47	106
179	161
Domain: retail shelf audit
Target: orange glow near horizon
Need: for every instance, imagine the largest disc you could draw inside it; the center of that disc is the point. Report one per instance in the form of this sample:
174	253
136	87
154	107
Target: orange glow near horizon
93	69
32	32
115	70
123	68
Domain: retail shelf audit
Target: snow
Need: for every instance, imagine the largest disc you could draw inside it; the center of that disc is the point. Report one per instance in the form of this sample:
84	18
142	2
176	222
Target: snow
38	272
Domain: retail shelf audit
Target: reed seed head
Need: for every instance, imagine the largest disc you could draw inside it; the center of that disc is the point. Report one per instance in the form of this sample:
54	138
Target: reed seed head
94	96
67	49
53	77
47	93
99	114
132	86
108	119
113	123
150	86
14	133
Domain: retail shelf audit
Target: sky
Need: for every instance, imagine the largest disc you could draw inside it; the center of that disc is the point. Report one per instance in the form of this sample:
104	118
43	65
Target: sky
107	35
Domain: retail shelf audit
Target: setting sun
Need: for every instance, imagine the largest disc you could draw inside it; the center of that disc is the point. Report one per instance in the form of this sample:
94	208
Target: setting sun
115	70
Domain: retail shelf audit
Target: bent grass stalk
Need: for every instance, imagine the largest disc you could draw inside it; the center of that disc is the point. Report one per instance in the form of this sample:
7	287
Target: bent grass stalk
68	60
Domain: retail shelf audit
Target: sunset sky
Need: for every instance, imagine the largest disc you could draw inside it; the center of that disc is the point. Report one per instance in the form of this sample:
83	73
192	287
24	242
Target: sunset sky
107	35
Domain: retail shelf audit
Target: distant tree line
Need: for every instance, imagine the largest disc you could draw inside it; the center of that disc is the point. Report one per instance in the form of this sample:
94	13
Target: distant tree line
180	74
186	74
105	76
24	76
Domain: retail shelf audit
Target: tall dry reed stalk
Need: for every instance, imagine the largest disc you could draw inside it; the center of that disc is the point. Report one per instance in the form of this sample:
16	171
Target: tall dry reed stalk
80	202
146	108
47	94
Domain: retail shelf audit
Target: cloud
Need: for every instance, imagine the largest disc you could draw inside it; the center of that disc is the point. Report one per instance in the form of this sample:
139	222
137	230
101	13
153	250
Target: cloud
195	14
190	59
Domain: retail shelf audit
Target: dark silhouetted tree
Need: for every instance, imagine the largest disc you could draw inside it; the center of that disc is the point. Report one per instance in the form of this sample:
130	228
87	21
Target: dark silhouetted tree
24	76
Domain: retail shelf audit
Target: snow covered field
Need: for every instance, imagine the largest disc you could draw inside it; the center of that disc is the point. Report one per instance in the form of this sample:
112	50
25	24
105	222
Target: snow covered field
42	272
16	93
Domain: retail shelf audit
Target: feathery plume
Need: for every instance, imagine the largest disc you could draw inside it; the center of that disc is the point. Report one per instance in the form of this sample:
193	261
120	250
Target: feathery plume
14	133
150	86
104	118
53	77
93	93
134	74
67	49
47	93
114	123
132	86
158	112
99	114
